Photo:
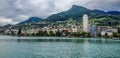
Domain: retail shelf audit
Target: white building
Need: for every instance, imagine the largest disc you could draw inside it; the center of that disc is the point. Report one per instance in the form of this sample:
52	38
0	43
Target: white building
30	31
113	30
85	23
74	29
103	33
110	33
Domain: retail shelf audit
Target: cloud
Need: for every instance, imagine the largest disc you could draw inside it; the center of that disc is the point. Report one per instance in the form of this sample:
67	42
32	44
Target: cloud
20	10
21	18
106	5
4	21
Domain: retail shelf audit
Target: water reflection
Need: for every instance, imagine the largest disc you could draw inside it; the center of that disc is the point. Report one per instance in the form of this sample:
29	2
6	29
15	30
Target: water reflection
86	49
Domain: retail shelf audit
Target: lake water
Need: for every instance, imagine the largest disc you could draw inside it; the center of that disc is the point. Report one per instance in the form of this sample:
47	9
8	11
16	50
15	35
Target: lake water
58	47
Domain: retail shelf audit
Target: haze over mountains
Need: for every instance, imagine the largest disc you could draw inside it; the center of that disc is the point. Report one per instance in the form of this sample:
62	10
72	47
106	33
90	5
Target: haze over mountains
76	12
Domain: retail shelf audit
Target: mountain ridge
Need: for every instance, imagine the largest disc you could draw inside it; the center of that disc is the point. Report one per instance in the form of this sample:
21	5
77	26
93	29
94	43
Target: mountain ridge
76	12
31	20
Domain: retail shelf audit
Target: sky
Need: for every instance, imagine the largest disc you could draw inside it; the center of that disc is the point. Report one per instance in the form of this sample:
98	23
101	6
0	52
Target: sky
15	11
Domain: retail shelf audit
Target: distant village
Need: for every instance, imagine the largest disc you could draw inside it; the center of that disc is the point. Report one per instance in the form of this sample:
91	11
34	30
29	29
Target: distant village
63	29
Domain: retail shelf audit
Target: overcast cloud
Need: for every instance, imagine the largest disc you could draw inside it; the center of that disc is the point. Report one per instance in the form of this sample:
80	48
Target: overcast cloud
14	11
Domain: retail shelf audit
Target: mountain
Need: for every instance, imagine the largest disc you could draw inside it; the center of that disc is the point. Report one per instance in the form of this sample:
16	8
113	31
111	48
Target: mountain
98	11
114	12
31	20
6	26
76	12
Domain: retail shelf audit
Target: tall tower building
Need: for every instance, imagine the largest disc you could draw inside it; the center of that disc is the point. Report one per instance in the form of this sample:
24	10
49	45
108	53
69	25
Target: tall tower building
85	23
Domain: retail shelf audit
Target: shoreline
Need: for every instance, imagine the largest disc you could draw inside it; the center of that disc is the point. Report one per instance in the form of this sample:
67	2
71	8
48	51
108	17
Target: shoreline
73	40
62	37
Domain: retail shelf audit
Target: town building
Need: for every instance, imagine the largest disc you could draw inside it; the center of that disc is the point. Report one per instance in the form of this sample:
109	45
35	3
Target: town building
93	30
85	23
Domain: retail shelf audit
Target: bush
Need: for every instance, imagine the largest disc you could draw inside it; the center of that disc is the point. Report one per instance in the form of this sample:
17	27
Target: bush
118	35
42	33
115	34
58	33
118	30
99	35
84	34
77	34
51	33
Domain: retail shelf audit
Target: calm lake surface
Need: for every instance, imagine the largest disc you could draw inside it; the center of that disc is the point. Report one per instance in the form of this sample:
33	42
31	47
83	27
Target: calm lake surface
58	47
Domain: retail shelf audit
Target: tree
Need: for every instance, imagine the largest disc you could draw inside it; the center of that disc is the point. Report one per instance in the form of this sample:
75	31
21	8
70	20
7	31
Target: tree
51	33
58	33
77	34
88	34
115	34
83	34
45	33
19	31
119	30
118	35
33	34
106	35
99	35
40	33
12	33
